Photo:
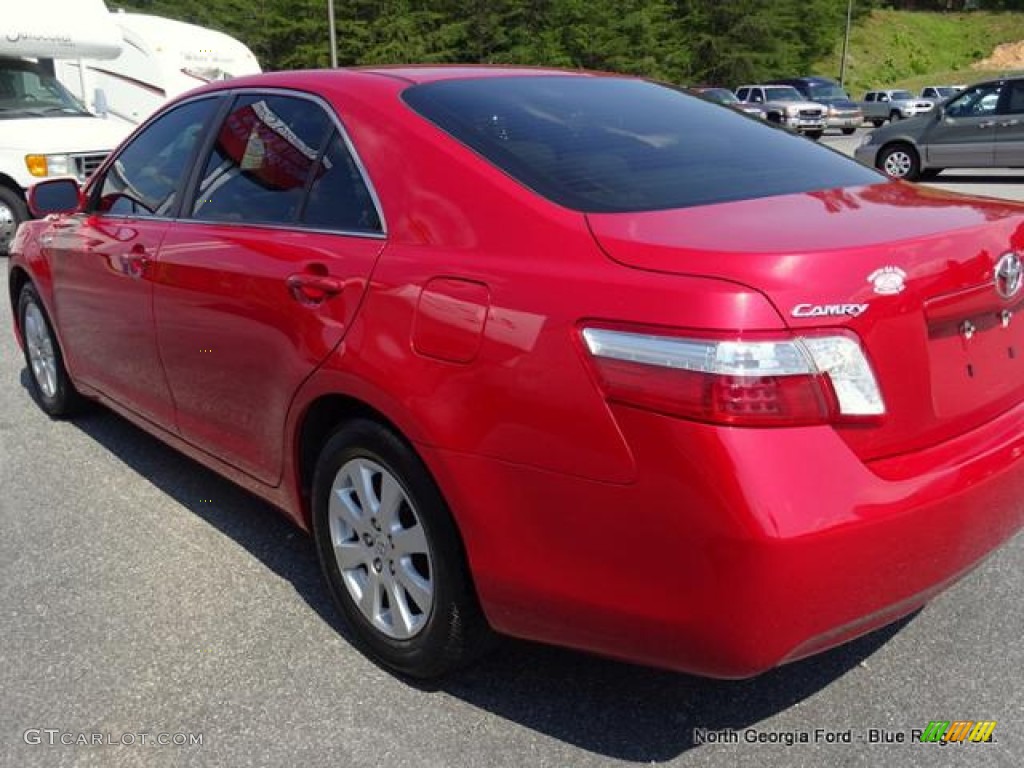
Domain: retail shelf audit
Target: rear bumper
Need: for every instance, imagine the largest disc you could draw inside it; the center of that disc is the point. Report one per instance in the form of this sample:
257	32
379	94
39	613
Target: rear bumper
845	121
736	550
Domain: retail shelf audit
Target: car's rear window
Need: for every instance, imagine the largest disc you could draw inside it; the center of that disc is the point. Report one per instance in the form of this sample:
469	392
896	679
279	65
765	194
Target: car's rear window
599	144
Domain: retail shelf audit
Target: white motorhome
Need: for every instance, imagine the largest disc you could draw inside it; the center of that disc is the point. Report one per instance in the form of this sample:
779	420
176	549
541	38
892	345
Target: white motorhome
159	59
44	130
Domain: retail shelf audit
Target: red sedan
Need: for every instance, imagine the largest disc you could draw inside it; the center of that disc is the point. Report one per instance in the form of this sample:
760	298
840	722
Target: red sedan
575	358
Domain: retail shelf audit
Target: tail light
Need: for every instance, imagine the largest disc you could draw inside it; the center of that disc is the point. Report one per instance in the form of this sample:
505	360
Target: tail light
750	381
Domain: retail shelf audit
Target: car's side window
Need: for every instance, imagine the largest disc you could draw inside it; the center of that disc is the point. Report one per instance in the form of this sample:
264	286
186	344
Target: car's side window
741	94
265	150
338	197
145	179
757	96
1014	98
976	102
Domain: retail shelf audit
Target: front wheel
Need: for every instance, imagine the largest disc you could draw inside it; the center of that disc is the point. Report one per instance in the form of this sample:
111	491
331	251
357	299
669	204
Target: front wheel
894	116
900	161
49	382
815	135
391	554
878	123
848	131
12	213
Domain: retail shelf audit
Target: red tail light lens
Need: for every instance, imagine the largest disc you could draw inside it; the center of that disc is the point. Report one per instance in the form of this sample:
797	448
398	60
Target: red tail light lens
760	382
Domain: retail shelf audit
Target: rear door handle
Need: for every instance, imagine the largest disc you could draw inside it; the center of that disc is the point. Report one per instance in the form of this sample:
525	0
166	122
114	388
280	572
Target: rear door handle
1009	124
987	124
313	289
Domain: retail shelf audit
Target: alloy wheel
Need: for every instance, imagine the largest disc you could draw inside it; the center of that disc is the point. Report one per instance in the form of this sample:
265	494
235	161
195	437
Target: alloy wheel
40	347
381	549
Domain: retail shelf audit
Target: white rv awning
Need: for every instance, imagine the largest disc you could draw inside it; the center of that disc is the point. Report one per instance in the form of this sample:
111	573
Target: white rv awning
59	29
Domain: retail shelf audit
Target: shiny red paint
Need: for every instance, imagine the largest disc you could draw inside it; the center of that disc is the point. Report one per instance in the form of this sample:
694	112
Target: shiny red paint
612	528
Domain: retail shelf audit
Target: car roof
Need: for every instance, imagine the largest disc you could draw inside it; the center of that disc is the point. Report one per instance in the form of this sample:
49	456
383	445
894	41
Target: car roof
410	74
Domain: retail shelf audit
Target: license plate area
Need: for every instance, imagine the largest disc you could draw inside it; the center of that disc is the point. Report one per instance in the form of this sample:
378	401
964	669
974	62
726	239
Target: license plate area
976	361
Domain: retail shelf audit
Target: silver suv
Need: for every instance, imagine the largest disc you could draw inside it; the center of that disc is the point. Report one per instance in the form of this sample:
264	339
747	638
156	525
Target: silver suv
785	105
982	127
880	106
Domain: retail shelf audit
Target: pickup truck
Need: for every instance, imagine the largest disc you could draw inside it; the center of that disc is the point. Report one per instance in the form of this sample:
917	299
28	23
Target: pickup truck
785	105
880	106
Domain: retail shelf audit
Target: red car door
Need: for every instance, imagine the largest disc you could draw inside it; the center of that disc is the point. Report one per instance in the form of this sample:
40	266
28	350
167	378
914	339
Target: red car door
260	280
103	262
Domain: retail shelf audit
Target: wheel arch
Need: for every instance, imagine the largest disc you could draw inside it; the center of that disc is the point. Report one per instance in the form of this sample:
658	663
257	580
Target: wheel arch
11	184
321	418
18	279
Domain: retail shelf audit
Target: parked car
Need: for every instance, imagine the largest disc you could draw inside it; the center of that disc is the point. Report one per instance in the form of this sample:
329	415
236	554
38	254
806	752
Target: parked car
581	359
842	111
982	127
783	104
880	106
939	93
727	98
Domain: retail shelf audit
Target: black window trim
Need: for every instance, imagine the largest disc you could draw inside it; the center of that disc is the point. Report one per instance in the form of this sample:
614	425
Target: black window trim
192	186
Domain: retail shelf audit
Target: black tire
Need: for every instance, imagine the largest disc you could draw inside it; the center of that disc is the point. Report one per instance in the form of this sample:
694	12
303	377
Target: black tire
849	131
900	161
50	385
453	631
877	123
815	135
894	116
929	173
12	212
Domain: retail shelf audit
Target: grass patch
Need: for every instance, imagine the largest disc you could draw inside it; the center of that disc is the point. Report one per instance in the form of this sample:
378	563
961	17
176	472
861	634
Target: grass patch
903	49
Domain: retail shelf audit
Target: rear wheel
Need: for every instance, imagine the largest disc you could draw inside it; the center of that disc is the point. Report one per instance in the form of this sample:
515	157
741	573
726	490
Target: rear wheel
391	554
877	123
894	116
815	135
899	161
848	131
12	213
49	382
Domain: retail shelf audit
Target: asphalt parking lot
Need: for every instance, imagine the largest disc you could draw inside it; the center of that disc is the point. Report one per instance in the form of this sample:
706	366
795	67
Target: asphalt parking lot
142	596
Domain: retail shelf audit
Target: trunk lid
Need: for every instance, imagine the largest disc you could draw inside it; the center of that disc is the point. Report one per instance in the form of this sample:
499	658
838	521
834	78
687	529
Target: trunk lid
911	270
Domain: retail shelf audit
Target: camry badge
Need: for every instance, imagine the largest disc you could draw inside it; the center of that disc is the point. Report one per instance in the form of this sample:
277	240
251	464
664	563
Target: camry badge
1008	275
829	310
888	280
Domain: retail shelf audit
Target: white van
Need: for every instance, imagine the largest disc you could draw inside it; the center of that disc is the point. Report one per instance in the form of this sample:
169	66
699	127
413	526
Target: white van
159	59
44	130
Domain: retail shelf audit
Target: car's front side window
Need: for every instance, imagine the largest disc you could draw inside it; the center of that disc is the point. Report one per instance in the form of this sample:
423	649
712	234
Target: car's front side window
976	102
145	179
265	152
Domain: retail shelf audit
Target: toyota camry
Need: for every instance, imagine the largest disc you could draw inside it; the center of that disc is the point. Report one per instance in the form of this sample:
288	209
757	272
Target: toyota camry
571	357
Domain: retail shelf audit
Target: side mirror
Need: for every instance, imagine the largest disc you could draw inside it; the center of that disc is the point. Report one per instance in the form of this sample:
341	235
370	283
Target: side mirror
55	196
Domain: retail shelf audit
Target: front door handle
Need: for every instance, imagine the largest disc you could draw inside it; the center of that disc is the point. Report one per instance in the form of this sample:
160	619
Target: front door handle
313	289
987	124
137	262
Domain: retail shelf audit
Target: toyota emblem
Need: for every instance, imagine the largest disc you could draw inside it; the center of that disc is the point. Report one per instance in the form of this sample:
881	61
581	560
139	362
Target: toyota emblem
1008	275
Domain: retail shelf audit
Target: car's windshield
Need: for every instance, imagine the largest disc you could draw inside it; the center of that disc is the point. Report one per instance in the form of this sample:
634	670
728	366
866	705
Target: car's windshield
27	91
828	91
782	93
720	95
901	95
603	144
946	92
